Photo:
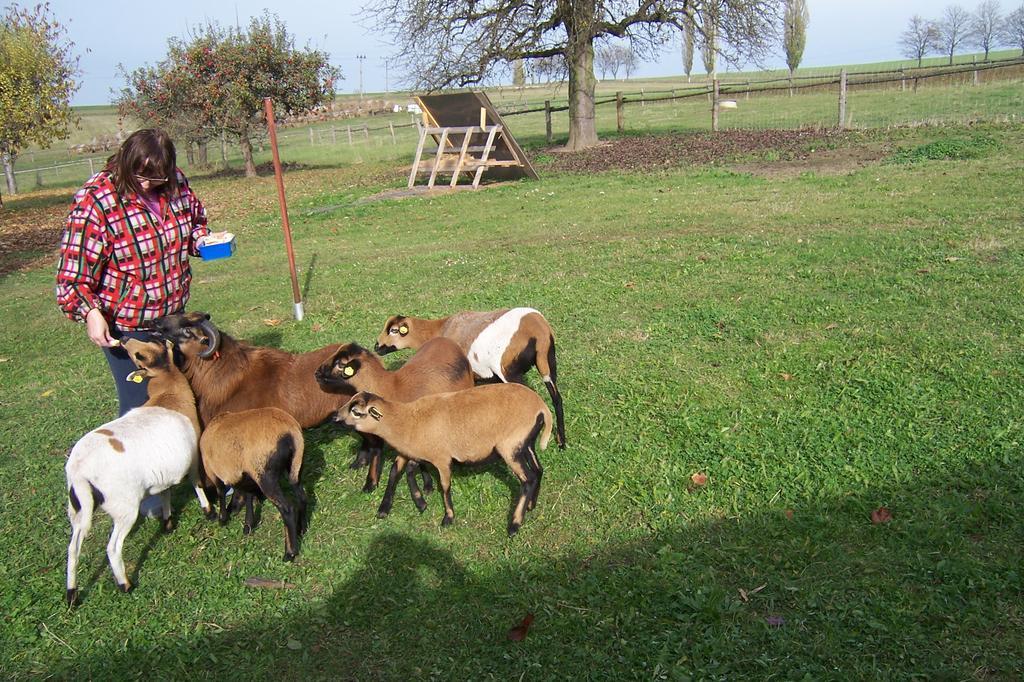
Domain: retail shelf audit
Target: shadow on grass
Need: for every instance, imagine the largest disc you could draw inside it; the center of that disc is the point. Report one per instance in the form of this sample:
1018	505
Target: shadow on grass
815	592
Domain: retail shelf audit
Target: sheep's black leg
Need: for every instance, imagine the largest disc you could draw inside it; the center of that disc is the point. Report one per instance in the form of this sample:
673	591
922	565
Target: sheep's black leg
389	492
556	400
414	490
270	487
428	481
366	451
373	473
300	504
444	477
222	503
249	525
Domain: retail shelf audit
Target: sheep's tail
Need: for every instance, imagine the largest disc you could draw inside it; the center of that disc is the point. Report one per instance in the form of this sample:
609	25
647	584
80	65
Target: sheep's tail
299	448
545	435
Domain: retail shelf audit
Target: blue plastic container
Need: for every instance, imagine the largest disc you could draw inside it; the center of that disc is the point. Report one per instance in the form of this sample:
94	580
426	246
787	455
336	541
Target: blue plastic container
222	249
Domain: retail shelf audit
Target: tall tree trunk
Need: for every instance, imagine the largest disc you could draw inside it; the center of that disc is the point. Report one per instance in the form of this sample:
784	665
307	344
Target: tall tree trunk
203	154
246	147
8	162
582	86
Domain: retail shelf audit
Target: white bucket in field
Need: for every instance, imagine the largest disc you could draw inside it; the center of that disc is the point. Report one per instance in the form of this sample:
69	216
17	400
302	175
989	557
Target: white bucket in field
727	104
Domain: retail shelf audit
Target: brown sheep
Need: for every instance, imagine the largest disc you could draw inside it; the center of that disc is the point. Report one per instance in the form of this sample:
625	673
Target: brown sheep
439	366
464	426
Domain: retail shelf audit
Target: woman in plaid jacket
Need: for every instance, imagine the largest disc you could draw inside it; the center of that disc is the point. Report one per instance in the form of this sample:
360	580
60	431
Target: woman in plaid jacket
125	249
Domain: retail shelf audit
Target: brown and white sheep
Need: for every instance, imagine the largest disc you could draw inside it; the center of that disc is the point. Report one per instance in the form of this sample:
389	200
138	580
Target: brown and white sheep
144	452
500	345
463	426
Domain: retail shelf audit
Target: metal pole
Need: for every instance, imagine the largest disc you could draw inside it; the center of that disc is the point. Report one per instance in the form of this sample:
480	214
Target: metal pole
361	57
268	108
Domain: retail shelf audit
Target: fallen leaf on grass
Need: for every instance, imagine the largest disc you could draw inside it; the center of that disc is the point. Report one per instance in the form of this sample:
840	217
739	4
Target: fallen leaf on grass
952	259
260	581
745	596
923	271
271	323
831	326
46	394
294	644
789	514
317	327
699	478
631	285
518	633
5	359
786	376
881	515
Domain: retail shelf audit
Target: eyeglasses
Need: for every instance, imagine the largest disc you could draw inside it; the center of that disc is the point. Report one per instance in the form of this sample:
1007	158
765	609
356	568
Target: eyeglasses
152	181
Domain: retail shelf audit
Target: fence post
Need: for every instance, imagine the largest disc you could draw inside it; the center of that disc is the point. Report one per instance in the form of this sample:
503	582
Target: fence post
349	130
746	95
643	102
91	170
334	135
975	77
903	81
366	131
547	120
714	108
310	136
391	127
842	99
619	123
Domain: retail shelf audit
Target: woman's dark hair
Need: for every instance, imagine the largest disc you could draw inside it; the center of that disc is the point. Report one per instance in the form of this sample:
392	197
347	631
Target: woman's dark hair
148	152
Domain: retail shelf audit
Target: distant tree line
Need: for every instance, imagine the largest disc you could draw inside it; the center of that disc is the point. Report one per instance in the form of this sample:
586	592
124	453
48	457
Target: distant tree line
986	28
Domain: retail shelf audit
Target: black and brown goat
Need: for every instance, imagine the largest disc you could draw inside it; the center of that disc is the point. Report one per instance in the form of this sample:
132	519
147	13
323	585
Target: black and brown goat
439	366
464	426
500	344
251	450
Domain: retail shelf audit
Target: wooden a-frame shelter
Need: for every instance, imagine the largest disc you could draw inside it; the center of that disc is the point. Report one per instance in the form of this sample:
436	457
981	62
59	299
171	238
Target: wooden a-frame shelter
470	137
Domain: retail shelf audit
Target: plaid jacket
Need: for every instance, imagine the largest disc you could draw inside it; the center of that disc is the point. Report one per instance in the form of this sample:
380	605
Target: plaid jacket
117	256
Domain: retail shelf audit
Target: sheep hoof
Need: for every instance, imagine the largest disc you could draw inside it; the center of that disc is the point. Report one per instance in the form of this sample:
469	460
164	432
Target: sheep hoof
72	597
383	513
126	587
513	528
247	529
447	521
288	556
369	487
169	525
421	505
211	514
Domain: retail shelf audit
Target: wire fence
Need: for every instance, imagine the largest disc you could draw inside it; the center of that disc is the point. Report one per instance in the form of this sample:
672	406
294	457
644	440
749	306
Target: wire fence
983	92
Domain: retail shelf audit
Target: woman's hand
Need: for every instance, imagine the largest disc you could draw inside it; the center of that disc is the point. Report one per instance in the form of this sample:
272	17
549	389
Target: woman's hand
98	330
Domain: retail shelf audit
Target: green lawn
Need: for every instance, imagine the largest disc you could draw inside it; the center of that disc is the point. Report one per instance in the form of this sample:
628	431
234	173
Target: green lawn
818	346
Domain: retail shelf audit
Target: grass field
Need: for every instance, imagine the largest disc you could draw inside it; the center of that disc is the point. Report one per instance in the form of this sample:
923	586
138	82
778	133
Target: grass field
817	345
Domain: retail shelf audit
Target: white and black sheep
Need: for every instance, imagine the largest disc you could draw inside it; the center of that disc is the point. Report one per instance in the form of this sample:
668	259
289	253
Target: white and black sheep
251	450
144	452
464	426
500	345
439	366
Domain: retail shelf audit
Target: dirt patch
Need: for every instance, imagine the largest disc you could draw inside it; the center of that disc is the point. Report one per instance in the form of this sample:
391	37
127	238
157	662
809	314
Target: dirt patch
731	148
820	162
422	191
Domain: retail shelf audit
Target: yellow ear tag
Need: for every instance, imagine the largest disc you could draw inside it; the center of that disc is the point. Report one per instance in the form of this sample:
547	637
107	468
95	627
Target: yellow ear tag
375	413
348	371
136	377
403	330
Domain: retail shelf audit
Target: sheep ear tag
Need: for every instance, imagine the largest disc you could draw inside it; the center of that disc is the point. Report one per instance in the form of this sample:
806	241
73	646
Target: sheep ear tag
375	413
348	371
403	330
137	376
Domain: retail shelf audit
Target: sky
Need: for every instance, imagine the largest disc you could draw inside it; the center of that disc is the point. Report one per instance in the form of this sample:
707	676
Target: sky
108	33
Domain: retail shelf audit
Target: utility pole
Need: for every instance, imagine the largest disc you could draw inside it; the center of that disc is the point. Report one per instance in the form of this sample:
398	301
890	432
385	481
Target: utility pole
361	58
387	86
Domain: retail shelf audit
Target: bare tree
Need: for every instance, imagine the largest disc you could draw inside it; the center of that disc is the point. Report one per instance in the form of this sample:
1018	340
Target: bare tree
954	29
920	38
985	26
630	60
1013	30
606	59
446	43
688	42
